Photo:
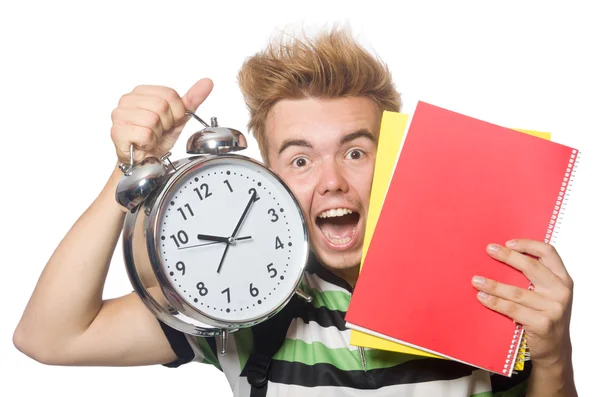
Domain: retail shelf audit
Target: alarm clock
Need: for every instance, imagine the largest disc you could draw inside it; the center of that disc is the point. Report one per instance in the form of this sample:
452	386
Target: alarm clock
213	242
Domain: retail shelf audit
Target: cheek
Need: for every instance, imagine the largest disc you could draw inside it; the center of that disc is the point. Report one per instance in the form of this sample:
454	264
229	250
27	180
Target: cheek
361	183
304	192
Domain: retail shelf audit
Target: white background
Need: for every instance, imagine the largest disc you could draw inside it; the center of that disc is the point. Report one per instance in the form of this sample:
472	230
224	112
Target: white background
65	65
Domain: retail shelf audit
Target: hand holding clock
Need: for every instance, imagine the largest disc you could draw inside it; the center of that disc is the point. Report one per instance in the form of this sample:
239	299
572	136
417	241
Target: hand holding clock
152	118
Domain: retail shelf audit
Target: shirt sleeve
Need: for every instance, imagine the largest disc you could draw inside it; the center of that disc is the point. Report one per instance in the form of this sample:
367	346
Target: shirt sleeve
180	345
515	386
190	348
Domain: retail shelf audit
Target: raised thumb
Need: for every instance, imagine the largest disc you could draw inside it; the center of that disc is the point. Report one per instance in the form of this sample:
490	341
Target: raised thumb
197	94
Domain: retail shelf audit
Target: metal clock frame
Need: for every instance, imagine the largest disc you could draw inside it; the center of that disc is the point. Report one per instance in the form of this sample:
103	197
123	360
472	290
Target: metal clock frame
153	208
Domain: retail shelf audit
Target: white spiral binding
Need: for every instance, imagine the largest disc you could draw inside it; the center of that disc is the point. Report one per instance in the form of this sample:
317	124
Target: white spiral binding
550	238
561	201
515	344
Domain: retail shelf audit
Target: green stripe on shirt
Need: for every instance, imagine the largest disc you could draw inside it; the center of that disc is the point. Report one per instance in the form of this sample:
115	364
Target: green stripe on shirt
332	300
342	358
209	356
483	394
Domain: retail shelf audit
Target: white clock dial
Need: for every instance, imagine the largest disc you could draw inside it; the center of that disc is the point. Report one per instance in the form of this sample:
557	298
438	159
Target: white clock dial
232	240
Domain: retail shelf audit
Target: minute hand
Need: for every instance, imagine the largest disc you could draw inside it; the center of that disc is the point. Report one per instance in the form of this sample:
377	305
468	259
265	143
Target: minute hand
239	224
235	231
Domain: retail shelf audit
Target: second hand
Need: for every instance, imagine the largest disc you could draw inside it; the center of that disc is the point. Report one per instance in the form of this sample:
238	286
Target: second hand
214	242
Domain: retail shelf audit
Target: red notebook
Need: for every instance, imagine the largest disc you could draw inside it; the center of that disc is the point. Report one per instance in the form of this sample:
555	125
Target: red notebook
459	184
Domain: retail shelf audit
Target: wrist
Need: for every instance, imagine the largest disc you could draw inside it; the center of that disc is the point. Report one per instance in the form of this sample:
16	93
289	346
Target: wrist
559	368
552	378
557	362
108	194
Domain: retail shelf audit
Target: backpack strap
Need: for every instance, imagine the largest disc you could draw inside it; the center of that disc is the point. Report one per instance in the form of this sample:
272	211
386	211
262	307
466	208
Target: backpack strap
268	337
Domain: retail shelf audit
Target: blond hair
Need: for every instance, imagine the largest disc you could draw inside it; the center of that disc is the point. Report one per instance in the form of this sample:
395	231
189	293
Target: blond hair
332	65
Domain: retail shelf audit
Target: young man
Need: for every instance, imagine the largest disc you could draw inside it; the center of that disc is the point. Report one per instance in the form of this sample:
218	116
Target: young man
315	109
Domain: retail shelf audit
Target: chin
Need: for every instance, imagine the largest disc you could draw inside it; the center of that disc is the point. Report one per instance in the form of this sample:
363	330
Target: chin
338	260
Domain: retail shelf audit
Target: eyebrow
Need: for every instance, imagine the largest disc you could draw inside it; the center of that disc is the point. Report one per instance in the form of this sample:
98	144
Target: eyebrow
358	134
294	142
363	133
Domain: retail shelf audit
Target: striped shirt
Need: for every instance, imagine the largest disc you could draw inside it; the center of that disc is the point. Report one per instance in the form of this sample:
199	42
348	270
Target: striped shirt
316	357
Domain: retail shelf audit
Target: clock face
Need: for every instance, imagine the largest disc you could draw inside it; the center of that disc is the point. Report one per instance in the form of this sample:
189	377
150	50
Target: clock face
231	238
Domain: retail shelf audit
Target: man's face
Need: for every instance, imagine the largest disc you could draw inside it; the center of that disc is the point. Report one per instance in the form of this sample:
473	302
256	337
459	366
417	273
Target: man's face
325	150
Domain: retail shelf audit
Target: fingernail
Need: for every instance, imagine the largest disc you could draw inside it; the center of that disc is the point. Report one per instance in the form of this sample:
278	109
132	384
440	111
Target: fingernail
482	295
478	280
511	243
493	247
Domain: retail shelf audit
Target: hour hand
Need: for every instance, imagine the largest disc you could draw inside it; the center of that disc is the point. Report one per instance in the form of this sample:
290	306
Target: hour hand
213	238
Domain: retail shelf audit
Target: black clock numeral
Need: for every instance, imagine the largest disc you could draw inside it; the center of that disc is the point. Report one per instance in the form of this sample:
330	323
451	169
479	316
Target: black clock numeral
182	212
278	243
228	185
272	271
204	187
226	290
253	291
181	267
273	214
202	290
252	191
182	238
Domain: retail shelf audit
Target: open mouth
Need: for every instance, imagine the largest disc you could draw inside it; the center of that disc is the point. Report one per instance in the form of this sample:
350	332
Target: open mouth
338	225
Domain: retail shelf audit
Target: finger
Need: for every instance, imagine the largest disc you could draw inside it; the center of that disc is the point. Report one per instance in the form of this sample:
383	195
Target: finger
530	267
545	253
140	117
197	94
143	138
519	313
170	95
525	297
156	104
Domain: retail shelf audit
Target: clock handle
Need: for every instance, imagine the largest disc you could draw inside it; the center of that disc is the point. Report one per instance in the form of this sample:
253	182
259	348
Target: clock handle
127	169
304	295
200	120
123	167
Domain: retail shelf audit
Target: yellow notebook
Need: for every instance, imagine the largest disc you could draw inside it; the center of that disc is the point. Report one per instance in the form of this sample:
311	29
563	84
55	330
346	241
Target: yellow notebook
393	126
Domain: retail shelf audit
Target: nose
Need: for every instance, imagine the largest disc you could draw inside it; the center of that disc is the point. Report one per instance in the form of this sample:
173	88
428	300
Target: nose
332	178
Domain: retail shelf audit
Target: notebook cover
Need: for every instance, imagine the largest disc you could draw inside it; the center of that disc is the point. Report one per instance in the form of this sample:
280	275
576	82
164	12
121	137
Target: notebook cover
459	184
391	134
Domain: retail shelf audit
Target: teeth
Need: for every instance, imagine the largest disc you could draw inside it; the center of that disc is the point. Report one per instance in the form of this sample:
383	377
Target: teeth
339	241
334	212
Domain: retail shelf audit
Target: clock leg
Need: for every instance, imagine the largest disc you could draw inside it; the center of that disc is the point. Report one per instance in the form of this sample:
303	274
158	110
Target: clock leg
224	337
304	295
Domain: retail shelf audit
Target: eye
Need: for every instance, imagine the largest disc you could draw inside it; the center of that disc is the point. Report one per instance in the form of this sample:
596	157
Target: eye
300	162
355	154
